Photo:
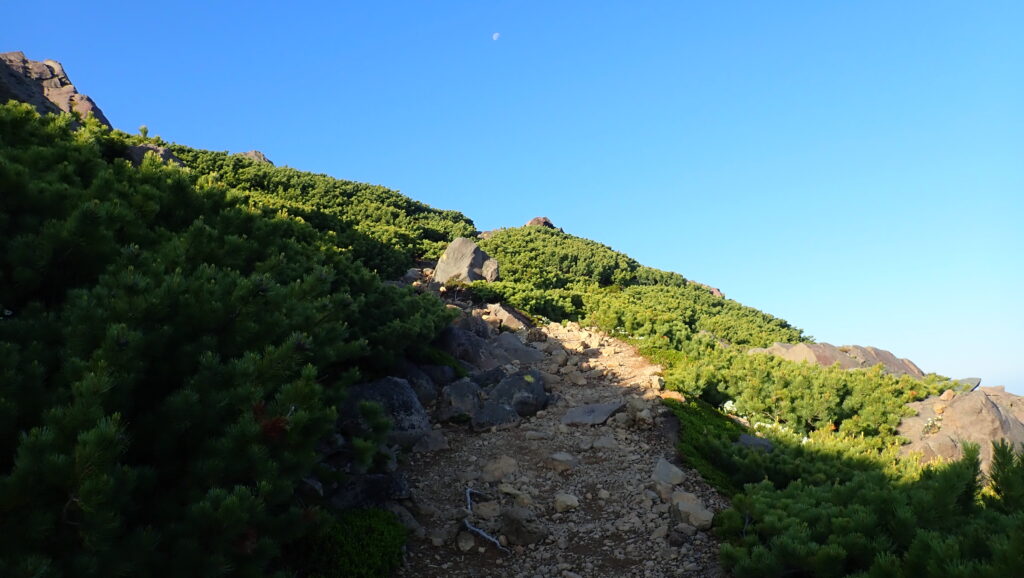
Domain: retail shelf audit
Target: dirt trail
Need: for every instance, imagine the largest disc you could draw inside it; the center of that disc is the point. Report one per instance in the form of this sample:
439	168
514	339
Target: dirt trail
583	494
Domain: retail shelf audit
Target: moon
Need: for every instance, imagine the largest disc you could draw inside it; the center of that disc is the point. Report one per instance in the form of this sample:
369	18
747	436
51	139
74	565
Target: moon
496	36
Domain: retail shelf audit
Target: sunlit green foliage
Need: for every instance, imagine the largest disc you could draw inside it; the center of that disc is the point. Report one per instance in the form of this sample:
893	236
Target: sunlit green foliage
384	229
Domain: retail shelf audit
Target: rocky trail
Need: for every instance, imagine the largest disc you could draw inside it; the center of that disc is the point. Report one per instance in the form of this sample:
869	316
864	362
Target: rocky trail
586	486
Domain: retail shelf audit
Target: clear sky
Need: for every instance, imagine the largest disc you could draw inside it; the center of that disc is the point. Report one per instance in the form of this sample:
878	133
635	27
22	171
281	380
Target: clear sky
856	168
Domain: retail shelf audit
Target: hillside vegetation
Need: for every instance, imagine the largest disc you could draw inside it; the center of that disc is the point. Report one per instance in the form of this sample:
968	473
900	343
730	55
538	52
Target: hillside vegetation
175	341
171	350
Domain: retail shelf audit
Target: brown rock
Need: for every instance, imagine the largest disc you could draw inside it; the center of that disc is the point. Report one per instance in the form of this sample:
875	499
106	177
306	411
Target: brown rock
847	356
940	427
44	85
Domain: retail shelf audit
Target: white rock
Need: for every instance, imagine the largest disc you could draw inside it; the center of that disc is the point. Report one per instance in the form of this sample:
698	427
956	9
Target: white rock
666	473
566	502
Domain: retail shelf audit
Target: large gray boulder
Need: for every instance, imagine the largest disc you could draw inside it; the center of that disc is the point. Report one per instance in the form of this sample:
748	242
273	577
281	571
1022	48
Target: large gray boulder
983	416
459	401
409	421
44	85
472	349
464	262
523	391
847	356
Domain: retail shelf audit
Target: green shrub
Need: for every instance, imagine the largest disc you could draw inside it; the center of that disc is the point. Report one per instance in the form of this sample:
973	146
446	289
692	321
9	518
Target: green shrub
358	544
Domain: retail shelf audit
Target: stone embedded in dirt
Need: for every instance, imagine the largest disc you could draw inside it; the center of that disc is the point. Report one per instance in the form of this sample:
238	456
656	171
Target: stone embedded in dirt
606	442
488	510
562	462
667	473
465	541
494	414
498	468
510	345
591	414
566	502
687	508
521	526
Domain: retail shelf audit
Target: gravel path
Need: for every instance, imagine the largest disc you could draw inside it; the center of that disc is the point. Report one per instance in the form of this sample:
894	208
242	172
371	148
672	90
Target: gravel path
566	500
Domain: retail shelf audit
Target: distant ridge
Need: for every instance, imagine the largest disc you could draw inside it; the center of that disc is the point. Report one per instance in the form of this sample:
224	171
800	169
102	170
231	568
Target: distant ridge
847	356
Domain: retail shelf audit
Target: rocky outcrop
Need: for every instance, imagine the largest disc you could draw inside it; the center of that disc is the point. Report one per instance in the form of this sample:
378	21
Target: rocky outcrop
847	356
44	85
541	222
464	262
257	156
944	423
136	153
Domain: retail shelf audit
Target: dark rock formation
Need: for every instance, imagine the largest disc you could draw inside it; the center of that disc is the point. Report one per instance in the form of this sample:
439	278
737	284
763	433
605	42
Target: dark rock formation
464	262
44	85
847	356
944	423
409	421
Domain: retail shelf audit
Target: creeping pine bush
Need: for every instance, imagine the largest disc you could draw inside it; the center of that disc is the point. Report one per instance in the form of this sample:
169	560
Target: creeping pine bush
170	353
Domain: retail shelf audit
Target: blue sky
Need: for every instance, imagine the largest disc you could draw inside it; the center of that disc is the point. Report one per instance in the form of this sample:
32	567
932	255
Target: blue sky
855	168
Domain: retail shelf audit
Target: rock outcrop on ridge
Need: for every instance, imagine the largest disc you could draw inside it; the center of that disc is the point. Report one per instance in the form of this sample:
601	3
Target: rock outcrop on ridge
944	423
847	356
44	85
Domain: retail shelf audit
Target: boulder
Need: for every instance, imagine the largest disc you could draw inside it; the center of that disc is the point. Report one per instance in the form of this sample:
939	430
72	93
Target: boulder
471	348
523	391
409	421
505	316
847	356
256	156
460	400
983	416
464	262
667	473
44	85
421	383
510	345
540	222
493	414
136	153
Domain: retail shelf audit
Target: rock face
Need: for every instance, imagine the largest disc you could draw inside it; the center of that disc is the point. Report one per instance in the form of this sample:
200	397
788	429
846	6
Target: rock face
541	222
847	356
464	262
136	153
409	421
257	156
943	423
44	85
